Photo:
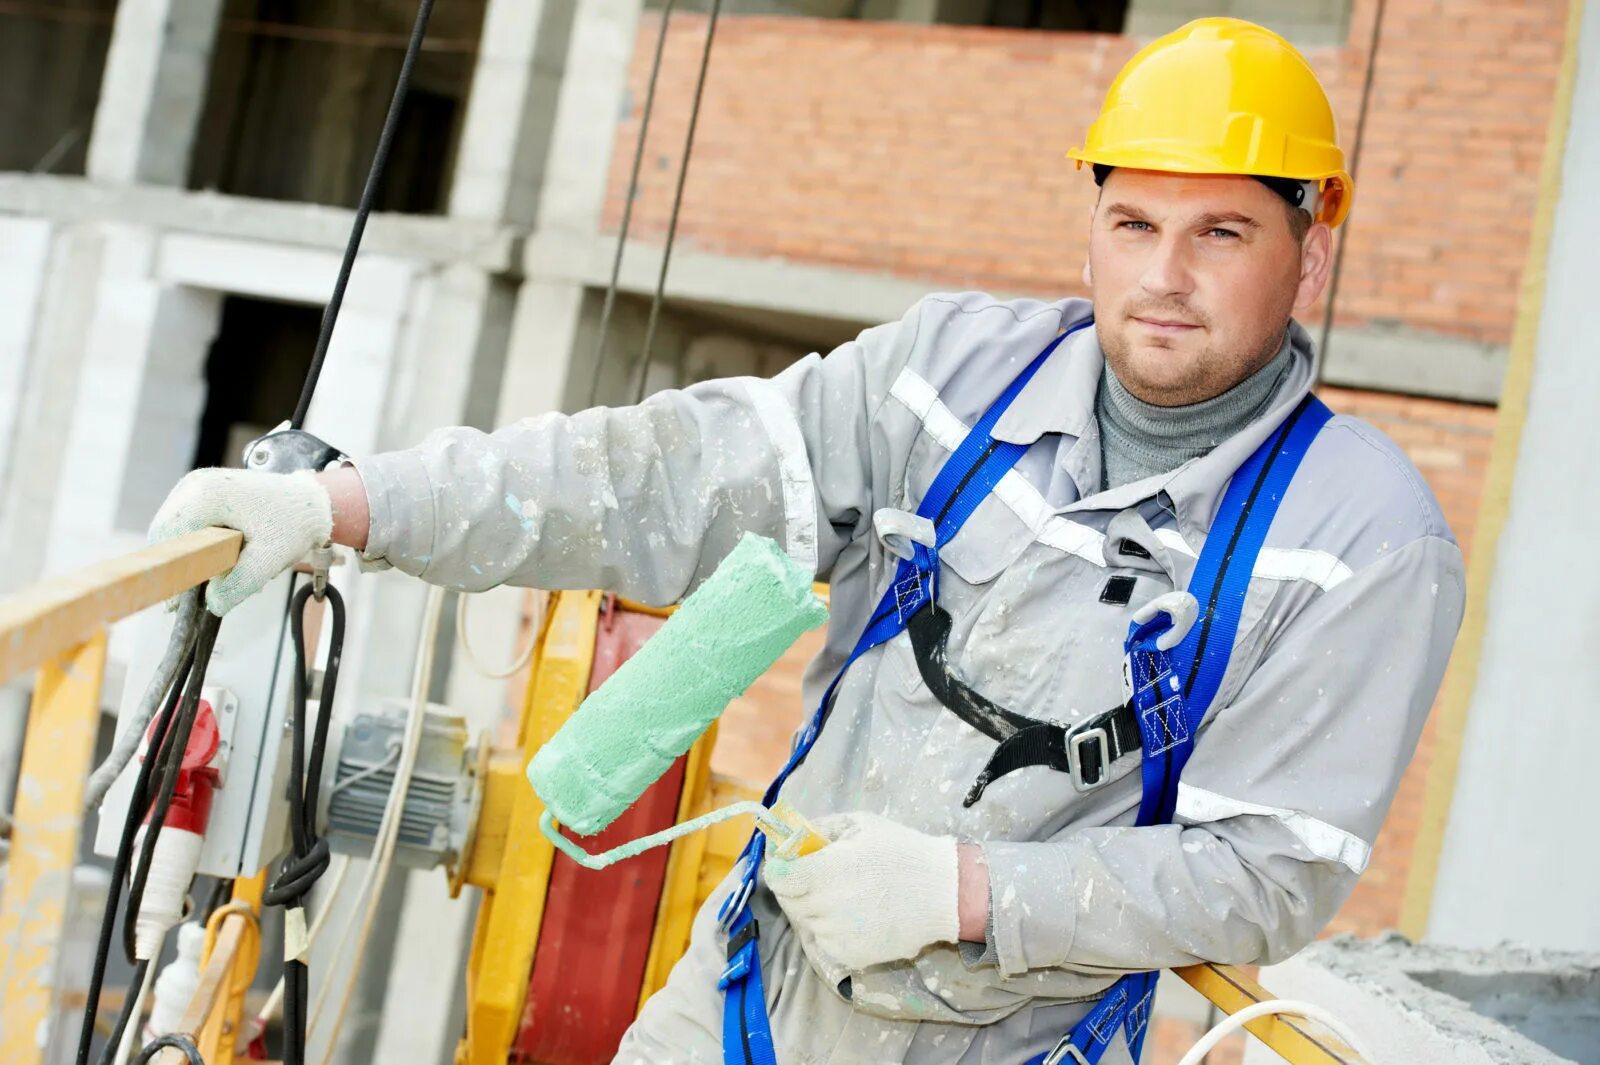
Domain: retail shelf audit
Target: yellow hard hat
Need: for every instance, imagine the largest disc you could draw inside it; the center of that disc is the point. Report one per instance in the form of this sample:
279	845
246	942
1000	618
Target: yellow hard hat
1223	96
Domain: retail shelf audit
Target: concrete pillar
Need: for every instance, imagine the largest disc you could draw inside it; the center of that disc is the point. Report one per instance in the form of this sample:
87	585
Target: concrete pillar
147	341
44	404
505	138
1519	861
593	94
153	91
447	365
24	266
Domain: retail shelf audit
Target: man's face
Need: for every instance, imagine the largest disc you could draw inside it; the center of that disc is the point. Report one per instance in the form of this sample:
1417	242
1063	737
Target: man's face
1194	278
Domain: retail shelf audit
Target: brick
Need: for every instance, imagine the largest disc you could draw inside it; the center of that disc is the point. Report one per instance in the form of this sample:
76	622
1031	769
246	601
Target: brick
857	134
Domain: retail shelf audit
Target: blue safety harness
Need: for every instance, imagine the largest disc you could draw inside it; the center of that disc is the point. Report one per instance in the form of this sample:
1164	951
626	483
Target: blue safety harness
1169	691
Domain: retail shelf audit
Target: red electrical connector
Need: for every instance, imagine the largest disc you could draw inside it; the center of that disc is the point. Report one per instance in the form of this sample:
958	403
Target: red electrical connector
197	777
177	849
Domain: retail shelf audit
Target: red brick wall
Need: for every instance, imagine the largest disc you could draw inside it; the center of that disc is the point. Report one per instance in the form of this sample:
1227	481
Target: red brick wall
936	151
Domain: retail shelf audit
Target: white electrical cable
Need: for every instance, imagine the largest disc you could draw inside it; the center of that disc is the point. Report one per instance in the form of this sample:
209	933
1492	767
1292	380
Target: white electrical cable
269	1009
389	827
523	657
1234	1022
131	1030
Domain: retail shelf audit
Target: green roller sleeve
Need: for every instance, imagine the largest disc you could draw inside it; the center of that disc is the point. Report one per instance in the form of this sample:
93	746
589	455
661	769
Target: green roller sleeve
630	730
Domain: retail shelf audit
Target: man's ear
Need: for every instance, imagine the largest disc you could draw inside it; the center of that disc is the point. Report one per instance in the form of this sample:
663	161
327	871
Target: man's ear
1316	263
1088	274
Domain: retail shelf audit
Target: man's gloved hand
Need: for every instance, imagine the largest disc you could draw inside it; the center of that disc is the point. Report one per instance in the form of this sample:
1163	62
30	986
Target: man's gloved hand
878	892
283	516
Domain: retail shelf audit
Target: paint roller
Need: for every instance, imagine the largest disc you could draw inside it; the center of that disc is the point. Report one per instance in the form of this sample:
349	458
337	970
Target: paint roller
647	714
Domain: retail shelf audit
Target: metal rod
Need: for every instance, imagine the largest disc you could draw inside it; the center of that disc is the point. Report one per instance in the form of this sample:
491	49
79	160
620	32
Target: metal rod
1355	166
677	204
627	208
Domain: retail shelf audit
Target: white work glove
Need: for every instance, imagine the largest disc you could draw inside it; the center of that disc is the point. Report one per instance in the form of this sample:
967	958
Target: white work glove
878	892
1180	606
284	516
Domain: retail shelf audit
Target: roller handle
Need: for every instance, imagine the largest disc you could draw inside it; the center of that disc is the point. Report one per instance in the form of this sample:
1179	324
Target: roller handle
802	837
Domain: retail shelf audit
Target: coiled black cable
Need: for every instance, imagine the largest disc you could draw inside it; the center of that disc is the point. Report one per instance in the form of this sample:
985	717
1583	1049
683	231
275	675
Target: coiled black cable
176	1041
308	857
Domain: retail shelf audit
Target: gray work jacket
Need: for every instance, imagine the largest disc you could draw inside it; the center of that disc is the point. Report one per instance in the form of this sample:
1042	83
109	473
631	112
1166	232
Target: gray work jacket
1351	612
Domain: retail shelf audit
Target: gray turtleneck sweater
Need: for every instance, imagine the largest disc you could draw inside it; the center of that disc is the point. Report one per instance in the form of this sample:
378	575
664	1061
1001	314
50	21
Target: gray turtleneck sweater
1139	439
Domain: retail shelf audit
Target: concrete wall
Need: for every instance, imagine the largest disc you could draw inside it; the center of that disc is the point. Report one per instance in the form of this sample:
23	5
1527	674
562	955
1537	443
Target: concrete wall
1519	861
934	153
1306	23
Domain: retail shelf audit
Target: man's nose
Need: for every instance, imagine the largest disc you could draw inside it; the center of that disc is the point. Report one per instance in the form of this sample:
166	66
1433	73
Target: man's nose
1167	271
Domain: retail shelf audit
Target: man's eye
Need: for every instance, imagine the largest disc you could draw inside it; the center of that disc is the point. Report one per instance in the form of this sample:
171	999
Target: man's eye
1141	227
1225	234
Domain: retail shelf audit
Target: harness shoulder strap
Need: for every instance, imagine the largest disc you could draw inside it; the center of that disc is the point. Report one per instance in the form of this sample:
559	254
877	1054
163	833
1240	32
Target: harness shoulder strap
966	477
1172	692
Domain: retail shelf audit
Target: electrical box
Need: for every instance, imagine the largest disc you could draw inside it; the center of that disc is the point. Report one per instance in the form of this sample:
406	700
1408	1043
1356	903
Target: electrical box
249	685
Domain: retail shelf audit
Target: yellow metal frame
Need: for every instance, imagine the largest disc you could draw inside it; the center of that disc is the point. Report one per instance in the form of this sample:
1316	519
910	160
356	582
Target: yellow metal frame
512	908
679	904
220	1034
1462	679
60	627
44	842
1294	1039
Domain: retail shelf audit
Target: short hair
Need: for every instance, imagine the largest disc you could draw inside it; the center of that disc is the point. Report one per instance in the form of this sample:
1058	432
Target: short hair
1293	193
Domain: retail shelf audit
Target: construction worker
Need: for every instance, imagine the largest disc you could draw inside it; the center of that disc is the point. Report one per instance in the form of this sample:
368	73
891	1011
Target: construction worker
973	907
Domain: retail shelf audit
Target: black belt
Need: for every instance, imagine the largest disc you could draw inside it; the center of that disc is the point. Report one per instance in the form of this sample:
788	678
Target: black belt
1083	751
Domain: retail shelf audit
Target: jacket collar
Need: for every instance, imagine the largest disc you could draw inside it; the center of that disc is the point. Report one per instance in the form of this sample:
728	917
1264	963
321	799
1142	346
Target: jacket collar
1060	399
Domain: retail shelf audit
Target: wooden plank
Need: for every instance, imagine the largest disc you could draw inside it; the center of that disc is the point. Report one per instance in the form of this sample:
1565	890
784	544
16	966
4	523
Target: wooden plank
49	618
56	753
212	990
1294	1039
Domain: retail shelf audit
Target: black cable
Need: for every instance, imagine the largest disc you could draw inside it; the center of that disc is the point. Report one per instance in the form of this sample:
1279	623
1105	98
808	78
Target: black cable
221	892
138	803
177	1042
309	856
175	723
369	193
129	1004
177	741
627	205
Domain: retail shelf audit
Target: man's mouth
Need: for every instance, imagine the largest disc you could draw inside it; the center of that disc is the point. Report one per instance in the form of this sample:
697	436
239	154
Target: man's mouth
1166	325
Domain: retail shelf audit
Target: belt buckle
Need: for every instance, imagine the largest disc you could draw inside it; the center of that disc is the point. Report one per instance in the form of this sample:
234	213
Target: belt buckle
1076	740
1065	1051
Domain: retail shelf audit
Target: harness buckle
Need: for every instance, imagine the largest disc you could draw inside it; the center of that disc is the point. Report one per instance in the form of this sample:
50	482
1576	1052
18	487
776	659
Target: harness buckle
1065	1051
1076	740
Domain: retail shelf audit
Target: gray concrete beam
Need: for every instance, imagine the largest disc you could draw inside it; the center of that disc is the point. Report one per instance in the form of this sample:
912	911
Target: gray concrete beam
1305	23
153	91
1423	1005
814	305
487	245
